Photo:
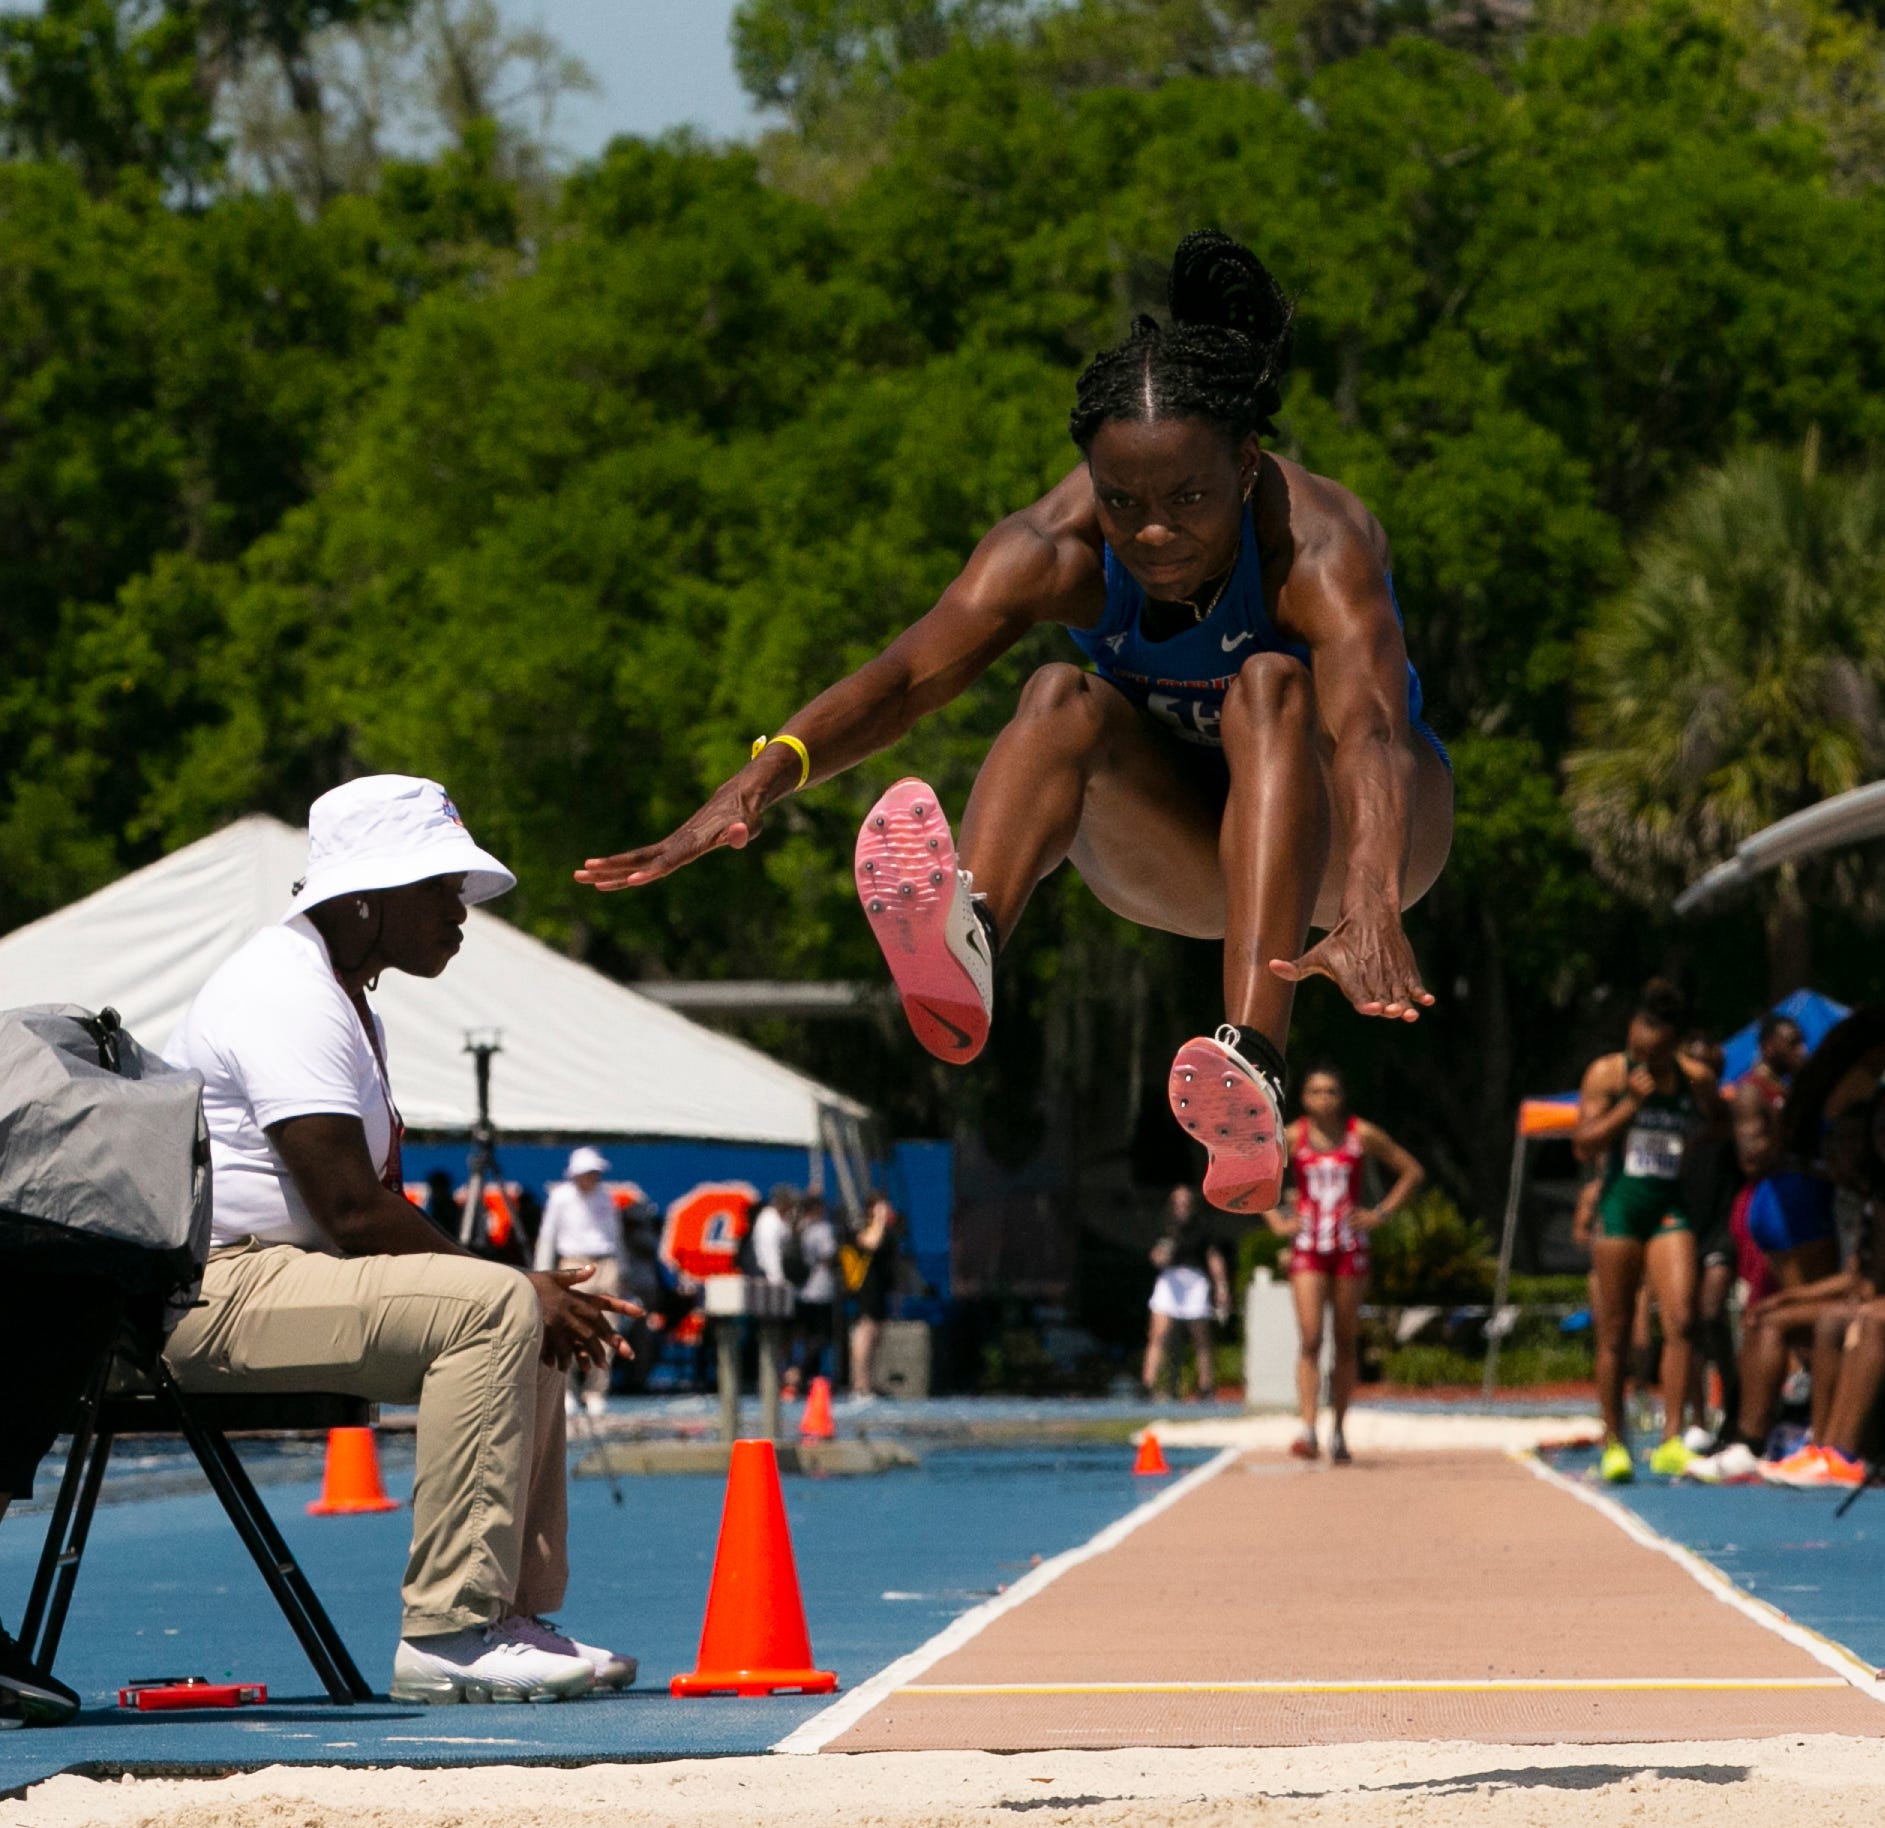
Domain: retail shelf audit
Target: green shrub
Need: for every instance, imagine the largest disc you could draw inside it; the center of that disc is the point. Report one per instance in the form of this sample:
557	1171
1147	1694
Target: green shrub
1561	1363
1425	1366
1258	1248
1562	1291
1431	1255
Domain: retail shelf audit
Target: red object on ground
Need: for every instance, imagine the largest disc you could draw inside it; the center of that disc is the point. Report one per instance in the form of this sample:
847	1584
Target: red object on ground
352	1481
190	1691
817	1424
754	1641
1151	1460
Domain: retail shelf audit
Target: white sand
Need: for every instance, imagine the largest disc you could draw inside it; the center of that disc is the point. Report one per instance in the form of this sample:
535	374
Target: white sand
1772	1783
1389	1430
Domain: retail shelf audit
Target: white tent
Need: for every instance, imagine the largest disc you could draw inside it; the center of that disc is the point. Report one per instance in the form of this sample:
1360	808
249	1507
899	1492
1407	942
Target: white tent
582	1055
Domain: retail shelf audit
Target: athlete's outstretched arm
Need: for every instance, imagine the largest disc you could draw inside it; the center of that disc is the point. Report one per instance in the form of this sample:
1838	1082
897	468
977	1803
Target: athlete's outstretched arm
1022	573
1358	662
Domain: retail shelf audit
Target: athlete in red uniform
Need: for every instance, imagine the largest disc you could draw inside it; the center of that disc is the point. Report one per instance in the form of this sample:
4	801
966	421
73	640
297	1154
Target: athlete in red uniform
1328	1226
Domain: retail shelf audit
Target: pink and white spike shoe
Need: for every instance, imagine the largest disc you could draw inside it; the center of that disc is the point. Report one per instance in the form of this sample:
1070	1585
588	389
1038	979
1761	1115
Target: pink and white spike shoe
921	909
1237	1113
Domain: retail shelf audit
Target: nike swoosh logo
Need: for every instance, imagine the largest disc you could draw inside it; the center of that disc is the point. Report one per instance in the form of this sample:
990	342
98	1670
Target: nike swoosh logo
973	939
962	1035
1229	642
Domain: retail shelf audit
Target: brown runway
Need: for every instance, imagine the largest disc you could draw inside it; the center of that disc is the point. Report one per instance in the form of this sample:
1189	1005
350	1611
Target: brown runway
1421	1596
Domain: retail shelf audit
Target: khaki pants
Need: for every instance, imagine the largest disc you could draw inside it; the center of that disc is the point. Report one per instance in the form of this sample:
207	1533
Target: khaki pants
606	1281
458	1337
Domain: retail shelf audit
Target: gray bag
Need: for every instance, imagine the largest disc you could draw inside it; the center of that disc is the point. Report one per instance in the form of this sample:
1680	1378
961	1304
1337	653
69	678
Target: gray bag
104	1156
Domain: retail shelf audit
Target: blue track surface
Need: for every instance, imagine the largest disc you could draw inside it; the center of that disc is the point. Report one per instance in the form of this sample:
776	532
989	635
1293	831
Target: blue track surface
883	1563
1785	1547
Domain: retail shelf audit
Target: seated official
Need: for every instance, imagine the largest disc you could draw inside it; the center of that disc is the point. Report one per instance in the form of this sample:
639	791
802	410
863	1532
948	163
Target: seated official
322	1276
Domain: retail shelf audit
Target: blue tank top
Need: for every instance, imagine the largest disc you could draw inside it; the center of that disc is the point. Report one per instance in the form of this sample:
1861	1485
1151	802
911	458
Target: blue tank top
1182	681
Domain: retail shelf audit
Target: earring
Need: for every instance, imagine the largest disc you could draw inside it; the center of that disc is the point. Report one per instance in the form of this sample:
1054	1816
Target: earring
361	908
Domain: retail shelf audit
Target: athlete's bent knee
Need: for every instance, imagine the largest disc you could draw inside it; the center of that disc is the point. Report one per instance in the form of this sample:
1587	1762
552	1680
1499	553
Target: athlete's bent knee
1270	689
1061	693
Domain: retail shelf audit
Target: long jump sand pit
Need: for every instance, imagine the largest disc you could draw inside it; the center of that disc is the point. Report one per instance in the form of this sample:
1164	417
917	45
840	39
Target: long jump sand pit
1813	1782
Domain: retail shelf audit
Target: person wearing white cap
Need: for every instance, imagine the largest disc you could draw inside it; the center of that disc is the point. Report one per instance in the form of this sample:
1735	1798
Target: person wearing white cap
322	1276
582	1228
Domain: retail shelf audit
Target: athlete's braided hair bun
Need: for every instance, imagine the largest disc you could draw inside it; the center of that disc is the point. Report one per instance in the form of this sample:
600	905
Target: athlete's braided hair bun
1223	357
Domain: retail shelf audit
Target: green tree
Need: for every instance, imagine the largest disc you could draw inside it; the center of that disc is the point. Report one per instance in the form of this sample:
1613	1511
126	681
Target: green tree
1737	679
111	85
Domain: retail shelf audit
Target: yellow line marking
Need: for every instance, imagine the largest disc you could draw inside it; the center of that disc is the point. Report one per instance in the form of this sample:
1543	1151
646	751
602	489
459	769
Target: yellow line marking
1513	1686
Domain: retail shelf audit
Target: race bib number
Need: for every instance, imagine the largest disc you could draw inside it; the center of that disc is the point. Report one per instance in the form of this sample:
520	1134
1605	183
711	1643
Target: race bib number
1652	1155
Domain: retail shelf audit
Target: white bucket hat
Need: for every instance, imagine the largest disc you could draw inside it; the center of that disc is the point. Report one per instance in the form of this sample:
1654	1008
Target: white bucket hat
385	831
585	1161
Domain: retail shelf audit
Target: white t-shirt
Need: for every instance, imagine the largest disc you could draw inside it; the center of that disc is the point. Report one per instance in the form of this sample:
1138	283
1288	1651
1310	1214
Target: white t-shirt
275	1036
578	1224
769	1234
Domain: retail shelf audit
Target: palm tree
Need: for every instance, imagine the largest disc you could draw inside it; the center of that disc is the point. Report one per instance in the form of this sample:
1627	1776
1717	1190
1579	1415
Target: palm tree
1736	680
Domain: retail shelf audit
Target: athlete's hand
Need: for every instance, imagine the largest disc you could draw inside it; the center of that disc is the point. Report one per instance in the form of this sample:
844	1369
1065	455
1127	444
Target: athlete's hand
1367	957
731	819
1368	1218
1641	1084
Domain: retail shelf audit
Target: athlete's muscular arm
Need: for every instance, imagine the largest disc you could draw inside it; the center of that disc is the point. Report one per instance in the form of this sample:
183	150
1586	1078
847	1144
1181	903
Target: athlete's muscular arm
1336	600
1380	1146
1033	567
1605	1105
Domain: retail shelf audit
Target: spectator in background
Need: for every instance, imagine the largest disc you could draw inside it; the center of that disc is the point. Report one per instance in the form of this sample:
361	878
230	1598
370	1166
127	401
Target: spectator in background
772	1228
441	1202
1783	1051
1711	1177
872	1277
581	1226
1192	1283
1330	1224
1635	1111
818	1293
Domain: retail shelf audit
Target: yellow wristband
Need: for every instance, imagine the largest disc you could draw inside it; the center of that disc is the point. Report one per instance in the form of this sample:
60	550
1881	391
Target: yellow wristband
791	742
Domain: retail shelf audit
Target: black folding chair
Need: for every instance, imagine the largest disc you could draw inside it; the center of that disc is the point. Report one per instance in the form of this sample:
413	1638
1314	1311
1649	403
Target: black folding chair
141	1398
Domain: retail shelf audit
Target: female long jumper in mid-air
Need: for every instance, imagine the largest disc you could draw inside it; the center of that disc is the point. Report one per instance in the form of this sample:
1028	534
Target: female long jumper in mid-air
1246	757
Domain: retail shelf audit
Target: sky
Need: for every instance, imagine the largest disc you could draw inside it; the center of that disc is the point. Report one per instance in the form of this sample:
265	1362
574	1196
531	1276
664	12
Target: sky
660	63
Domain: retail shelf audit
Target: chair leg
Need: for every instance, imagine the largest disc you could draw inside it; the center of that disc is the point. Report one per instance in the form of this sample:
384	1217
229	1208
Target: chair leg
66	1531
296	1597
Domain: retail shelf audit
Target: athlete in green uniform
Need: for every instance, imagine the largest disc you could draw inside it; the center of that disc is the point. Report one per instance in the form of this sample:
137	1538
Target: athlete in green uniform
1634	1110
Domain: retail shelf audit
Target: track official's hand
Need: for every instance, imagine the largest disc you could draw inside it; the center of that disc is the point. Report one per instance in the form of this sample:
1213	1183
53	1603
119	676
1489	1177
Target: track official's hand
576	1327
1368	959
730	820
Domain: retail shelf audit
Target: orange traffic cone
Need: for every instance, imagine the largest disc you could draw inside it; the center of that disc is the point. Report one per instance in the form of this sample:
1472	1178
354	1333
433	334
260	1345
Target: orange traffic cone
754	1640
817	1424
352	1482
1151	1458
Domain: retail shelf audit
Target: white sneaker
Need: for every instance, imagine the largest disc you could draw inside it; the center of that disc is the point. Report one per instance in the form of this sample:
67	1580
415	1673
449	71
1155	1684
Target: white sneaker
595	1405
487	1663
1735	1464
1697	1439
609	1669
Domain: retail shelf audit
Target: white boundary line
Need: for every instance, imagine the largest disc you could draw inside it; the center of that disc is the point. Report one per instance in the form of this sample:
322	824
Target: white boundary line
1862	1676
818	1732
